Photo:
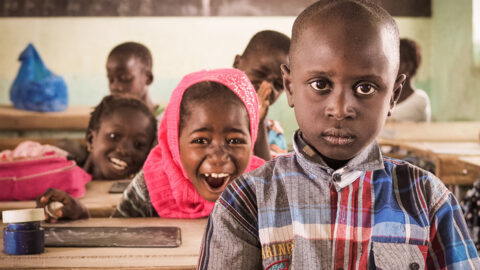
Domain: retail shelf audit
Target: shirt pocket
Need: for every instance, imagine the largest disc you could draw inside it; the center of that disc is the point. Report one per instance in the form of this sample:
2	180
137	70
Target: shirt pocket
399	256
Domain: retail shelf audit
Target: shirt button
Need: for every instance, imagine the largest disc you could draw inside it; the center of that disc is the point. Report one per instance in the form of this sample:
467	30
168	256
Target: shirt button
414	266
337	177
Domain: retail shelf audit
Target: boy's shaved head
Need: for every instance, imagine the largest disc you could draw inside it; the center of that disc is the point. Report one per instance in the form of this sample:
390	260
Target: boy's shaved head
351	11
342	79
268	40
134	49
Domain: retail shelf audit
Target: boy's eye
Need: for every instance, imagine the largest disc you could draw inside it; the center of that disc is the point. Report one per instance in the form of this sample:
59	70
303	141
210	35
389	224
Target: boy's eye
125	78
259	74
320	85
200	141
236	141
364	89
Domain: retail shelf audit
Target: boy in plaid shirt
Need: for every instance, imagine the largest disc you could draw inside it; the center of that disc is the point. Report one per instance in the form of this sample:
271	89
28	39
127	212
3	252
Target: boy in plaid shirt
335	202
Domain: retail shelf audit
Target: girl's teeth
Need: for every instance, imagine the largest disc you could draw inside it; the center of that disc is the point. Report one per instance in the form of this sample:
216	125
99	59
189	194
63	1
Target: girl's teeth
216	175
118	164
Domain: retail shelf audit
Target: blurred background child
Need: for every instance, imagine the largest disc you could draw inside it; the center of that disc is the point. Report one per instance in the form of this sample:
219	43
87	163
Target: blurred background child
205	141
261	61
413	104
129	71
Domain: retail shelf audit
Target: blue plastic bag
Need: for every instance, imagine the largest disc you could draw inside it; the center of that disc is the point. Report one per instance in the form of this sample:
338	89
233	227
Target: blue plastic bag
36	88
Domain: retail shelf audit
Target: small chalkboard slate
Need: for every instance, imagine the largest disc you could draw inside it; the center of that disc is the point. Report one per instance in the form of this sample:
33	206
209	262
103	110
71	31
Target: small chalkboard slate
119	187
112	237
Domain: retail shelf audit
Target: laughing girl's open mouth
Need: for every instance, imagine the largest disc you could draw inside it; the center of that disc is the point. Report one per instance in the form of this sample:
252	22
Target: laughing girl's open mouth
217	181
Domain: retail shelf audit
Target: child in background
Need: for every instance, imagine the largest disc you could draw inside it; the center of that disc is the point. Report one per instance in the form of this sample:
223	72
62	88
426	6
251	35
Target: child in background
121	131
129	71
205	141
336	203
413	104
261	61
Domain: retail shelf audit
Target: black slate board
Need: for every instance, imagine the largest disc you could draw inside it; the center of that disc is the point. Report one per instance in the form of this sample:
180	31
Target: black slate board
119	187
112	236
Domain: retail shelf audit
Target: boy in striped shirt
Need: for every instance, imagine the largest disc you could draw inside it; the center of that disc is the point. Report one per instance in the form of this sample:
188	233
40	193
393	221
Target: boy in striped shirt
335	202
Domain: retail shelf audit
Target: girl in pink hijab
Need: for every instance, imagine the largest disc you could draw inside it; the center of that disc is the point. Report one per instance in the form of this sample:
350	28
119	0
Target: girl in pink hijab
205	141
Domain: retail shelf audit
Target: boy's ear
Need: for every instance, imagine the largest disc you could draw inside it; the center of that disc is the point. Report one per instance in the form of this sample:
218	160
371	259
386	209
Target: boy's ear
287	83
149	77
397	90
236	62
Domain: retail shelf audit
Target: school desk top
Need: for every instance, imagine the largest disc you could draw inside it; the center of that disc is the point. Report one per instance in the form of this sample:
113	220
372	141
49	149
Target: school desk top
431	132
183	257
457	163
74	118
98	201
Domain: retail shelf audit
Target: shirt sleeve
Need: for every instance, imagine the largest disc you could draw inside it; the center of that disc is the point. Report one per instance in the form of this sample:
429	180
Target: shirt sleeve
450	243
231	236
135	201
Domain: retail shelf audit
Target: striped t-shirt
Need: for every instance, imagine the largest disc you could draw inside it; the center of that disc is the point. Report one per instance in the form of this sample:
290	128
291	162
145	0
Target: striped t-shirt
374	213
135	201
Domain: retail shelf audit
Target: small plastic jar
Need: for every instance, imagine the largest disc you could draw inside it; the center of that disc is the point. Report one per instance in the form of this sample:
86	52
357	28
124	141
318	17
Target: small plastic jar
23	234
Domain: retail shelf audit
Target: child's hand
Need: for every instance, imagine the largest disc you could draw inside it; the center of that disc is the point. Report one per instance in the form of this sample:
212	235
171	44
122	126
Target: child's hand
263	93
71	209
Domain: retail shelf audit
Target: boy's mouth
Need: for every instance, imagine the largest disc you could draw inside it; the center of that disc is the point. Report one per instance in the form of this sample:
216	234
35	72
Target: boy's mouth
118	164
338	137
216	181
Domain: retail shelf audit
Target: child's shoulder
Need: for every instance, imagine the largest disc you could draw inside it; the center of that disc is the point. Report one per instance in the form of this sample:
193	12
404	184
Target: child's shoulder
413	181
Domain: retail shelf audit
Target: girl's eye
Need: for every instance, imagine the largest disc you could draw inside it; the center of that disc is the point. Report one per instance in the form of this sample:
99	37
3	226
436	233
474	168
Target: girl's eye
200	141
113	136
320	85
139	145
236	141
364	89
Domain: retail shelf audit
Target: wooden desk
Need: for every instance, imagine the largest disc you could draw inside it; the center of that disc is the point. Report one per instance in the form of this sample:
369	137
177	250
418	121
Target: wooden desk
17	126
431	132
183	257
74	118
451	159
98	201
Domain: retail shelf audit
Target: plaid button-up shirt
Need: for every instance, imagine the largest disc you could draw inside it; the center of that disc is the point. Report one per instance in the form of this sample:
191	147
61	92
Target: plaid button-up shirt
376	212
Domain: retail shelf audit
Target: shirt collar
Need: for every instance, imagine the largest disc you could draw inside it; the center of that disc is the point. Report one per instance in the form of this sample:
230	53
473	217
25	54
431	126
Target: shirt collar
369	159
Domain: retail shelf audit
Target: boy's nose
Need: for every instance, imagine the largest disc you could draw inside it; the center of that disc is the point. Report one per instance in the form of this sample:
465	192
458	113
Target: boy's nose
340	105
116	87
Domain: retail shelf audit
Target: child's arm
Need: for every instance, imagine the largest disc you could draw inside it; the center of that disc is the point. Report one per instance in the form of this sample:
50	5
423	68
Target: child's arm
261	147
450	243
135	201
231	238
71	209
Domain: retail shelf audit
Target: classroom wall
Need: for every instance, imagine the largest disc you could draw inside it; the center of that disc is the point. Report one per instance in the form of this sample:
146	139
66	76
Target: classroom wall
76	48
455	89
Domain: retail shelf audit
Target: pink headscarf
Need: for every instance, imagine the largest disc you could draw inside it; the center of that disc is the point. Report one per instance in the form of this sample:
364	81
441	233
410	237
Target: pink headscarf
171	191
